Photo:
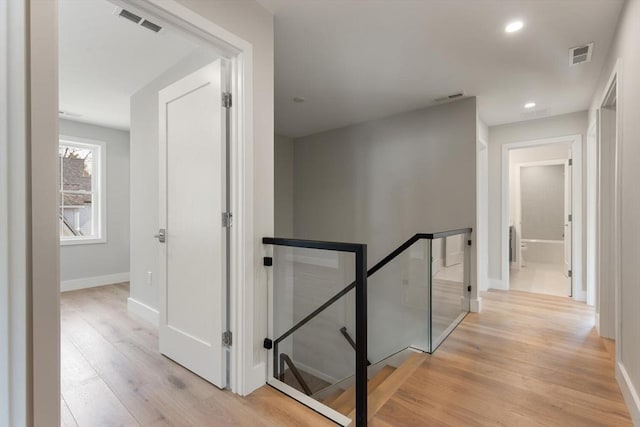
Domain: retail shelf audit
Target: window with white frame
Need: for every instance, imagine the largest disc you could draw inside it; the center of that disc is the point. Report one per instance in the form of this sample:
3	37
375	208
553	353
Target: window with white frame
82	191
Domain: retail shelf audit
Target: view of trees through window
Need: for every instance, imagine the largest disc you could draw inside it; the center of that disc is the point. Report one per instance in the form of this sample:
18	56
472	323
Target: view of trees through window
77	192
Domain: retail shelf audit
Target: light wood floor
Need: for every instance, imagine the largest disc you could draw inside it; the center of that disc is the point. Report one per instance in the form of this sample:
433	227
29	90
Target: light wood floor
526	360
113	375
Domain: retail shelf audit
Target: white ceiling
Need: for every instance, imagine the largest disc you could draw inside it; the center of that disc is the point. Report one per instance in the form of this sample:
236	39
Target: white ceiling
104	59
357	60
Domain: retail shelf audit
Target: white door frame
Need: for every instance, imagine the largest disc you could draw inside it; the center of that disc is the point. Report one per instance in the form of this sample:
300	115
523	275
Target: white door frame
603	313
591	204
240	55
576	250
482	218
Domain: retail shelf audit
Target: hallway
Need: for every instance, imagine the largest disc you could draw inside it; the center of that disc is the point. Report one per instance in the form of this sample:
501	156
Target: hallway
525	360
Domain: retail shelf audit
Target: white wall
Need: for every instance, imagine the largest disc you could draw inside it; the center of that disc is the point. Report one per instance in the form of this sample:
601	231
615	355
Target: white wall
283	186
144	178
625	47
84	265
563	125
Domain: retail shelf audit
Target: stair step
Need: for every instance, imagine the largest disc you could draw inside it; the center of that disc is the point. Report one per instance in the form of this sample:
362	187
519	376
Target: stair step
332	398
386	389
345	402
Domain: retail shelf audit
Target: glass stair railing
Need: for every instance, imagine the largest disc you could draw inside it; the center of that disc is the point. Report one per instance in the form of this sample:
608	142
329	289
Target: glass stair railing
337	330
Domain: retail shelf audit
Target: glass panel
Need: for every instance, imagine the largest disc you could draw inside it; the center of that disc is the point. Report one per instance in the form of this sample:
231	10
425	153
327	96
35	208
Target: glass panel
398	304
449	297
304	279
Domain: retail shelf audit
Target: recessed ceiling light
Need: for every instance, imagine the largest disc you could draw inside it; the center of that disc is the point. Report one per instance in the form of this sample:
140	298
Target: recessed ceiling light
529	105
514	26
298	99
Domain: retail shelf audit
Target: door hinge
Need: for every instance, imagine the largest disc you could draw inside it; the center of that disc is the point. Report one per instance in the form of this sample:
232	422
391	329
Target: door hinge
570	218
570	273
227	338
226	99
469	242
570	162
469	288
227	219
267	343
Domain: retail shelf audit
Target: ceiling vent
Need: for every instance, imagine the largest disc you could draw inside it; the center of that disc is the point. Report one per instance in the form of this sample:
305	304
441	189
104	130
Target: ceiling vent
130	16
580	54
138	20
451	97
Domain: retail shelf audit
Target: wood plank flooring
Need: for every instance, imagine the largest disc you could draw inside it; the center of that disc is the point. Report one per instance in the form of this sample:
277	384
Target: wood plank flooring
526	360
113	375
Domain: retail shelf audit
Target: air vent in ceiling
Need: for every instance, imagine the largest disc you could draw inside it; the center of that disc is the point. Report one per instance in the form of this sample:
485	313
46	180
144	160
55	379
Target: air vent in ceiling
580	54
136	19
130	16
451	97
151	26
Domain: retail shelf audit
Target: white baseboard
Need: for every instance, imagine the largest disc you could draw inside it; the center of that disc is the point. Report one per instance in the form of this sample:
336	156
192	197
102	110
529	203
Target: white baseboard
143	311
629	393
580	295
497	284
475	305
92	282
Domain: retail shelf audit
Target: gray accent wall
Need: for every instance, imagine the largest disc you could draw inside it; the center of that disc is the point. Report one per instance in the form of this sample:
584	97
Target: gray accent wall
283	186
382	181
112	257
542	201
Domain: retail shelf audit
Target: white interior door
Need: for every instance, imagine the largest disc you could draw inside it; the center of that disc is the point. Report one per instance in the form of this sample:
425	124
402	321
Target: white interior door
568	229
192	200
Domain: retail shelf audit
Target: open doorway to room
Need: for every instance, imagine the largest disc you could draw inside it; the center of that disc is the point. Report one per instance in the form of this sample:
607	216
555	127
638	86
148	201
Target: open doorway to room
540	220
144	167
542	216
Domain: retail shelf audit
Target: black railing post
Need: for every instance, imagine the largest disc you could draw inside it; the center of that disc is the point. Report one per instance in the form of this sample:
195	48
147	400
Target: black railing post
361	336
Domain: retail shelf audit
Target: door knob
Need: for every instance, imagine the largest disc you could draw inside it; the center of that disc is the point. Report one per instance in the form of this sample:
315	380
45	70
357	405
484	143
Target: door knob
161	236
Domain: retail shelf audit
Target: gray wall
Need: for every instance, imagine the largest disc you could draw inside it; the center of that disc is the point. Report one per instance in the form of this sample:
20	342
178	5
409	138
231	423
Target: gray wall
283	186
563	125
112	257
625	46
144	178
380	182
542	199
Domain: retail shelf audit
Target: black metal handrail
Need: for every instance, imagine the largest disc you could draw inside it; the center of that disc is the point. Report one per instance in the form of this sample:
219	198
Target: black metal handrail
360	285
284	358
328	246
347	336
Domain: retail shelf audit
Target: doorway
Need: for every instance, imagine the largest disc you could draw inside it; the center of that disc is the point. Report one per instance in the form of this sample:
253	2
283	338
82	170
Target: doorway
558	250
540	226
118	117
608	211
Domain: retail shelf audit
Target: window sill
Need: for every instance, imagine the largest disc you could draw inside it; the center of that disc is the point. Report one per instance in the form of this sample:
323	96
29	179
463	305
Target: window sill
88	241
